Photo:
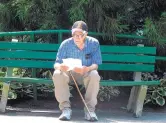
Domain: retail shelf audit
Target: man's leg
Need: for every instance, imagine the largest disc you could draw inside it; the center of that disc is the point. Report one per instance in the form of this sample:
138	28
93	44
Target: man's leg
62	93
91	82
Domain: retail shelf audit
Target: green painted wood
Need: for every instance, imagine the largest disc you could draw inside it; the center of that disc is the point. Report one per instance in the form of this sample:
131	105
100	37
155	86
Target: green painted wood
102	82
128	58
128	49
32	37
29	46
160	58
129	36
28	54
49	64
52	55
33	32
26	80
54	47
128	83
2	74
127	67
26	63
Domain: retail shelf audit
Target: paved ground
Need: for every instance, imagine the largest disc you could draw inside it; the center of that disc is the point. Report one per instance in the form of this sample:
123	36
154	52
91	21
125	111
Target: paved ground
46	111
105	116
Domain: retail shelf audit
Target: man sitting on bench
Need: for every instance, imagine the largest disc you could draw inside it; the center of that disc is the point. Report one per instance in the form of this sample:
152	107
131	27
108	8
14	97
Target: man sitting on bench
87	49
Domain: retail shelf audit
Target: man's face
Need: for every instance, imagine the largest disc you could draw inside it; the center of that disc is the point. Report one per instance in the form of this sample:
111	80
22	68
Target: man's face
79	37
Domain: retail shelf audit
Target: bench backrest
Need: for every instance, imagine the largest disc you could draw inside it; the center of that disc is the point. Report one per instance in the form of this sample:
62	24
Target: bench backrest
37	55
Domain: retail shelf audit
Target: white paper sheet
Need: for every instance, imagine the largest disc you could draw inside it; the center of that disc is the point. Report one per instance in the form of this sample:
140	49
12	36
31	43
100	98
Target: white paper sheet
71	63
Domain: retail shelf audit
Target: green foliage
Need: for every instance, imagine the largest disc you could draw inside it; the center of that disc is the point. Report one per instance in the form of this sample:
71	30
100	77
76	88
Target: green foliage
151	31
107	92
2	74
77	10
154	30
18	72
50	9
12	95
5	16
1	84
156	94
106	16
162	25
23	8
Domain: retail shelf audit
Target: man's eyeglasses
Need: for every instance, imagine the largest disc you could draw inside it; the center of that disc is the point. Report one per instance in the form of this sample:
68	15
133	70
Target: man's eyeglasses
78	36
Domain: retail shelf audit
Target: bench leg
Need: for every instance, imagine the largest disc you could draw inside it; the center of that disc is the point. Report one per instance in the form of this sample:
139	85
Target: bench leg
4	96
137	97
139	102
34	86
5	91
133	93
132	98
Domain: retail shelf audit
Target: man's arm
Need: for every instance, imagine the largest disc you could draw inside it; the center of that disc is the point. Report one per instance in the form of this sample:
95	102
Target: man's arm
96	57
85	69
61	54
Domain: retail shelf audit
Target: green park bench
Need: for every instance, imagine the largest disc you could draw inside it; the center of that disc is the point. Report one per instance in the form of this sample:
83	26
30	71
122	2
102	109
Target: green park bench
134	59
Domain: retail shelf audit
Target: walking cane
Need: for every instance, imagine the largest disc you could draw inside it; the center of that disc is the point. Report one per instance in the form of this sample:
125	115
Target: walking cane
81	95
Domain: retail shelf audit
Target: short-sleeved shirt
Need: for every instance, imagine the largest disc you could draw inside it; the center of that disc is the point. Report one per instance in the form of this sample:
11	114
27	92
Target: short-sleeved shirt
89	55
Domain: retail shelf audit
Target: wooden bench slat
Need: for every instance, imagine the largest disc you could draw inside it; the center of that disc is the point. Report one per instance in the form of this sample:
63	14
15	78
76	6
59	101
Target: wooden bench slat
49	64
128	49
128	58
127	67
54	47
28	54
52	56
26	80
102	82
29	46
128	83
26	63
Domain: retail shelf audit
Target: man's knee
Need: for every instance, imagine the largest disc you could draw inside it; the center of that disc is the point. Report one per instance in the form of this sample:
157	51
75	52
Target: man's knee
56	76
94	75
60	77
56	73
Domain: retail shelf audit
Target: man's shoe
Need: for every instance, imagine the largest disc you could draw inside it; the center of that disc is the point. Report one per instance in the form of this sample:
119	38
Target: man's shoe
92	118
66	114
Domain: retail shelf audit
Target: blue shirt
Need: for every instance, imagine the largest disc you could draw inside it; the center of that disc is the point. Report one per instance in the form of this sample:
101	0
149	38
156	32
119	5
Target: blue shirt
89	55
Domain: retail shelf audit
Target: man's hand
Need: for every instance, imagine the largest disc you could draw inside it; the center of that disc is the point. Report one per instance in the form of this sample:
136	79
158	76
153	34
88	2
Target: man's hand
81	70
63	67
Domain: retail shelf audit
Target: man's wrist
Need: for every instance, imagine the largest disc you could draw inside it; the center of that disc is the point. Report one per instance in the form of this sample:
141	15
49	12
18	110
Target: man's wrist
92	67
89	68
